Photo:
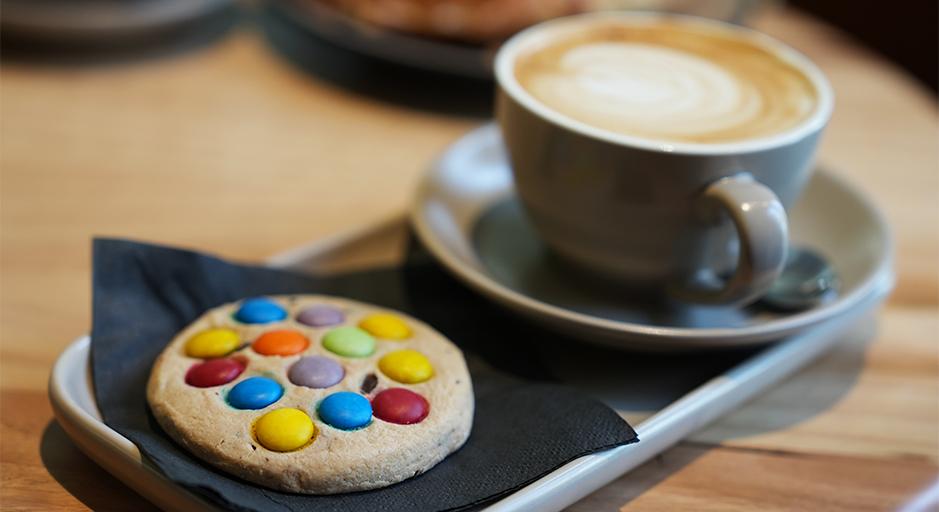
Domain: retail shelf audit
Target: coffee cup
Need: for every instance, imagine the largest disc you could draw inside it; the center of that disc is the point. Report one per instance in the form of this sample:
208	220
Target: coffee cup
660	152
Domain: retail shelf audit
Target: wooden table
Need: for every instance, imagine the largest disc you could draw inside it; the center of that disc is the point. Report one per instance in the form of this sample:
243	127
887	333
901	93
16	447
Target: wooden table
233	149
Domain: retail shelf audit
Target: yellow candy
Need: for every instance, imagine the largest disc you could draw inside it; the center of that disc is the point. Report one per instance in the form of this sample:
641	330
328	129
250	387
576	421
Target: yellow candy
386	325
212	343
406	366
284	430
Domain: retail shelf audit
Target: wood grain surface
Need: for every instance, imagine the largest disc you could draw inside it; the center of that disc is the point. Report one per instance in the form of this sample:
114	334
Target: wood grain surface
246	148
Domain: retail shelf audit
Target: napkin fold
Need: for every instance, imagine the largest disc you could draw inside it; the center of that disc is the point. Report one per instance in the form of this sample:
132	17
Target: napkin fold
525	425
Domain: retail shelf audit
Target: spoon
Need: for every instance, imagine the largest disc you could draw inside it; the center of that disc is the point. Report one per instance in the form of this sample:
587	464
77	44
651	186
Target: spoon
807	281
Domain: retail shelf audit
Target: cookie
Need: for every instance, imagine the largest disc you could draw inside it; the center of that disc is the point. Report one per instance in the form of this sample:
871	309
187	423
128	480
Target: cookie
313	394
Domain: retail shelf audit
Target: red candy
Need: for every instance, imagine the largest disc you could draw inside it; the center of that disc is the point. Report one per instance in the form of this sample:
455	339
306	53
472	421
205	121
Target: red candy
401	406
214	372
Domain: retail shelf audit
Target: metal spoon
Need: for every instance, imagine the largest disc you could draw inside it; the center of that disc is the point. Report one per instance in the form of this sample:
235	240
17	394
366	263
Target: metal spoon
807	281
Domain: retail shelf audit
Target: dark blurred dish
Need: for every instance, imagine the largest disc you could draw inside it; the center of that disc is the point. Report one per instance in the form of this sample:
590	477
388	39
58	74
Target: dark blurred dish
342	30
95	21
459	37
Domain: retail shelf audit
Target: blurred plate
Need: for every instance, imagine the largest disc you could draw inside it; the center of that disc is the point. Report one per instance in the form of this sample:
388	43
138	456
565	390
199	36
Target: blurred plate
466	60
100	20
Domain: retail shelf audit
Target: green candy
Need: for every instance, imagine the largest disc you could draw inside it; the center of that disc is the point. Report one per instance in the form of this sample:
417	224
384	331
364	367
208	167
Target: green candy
349	342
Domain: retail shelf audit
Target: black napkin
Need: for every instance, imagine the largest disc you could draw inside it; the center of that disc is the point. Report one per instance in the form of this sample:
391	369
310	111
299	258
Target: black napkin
524	426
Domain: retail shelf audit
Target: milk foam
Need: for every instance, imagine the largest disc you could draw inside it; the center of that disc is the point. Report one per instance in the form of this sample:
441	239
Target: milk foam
653	90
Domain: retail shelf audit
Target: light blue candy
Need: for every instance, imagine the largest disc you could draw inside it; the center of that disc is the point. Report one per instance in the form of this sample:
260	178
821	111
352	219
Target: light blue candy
260	311
255	393
345	410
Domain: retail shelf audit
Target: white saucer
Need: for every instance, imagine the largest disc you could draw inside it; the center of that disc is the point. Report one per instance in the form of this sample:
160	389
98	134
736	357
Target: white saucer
466	214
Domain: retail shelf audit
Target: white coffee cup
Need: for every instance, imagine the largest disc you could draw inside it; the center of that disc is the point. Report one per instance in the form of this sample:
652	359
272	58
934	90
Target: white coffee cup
655	212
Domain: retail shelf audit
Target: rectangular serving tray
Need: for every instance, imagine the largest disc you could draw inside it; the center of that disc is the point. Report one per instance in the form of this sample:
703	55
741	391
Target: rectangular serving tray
663	413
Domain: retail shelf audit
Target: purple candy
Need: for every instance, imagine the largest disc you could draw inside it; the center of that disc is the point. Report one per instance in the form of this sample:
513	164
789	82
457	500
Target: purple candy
316	372
320	316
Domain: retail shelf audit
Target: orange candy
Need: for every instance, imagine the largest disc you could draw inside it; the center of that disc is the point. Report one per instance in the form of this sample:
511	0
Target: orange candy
283	342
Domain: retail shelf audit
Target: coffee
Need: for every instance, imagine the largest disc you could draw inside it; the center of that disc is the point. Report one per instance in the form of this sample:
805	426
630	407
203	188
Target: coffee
668	80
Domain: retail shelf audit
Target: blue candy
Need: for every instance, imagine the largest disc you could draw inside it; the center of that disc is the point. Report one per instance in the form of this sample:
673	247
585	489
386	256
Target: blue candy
260	311
255	393
345	410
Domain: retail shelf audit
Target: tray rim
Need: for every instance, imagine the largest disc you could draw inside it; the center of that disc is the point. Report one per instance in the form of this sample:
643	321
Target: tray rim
554	491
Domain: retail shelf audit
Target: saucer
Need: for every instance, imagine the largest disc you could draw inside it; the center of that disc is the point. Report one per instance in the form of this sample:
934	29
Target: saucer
467	216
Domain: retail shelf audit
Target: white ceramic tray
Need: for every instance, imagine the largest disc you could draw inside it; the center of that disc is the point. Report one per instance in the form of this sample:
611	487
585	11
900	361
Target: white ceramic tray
676	411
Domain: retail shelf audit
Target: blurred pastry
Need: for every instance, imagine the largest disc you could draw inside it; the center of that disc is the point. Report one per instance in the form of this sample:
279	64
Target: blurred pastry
472	21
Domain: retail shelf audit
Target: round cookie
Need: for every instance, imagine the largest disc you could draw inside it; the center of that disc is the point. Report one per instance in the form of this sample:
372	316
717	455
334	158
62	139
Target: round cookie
313	394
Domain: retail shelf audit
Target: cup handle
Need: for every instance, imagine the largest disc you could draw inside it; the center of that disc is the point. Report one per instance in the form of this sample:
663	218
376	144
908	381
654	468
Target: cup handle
762	228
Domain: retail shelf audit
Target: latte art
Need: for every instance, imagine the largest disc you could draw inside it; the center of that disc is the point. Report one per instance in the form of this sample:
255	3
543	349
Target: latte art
687	87
648	89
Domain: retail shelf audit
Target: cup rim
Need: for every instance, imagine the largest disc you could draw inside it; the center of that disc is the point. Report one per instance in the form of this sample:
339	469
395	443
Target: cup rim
505	77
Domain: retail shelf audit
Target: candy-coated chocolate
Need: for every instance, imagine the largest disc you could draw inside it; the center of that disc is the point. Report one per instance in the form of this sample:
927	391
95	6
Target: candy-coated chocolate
282	342
386	325
321	315
345	410
260	310
316	372
214	372
211	343
401	406
349	342
284	430
406	366
255	393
